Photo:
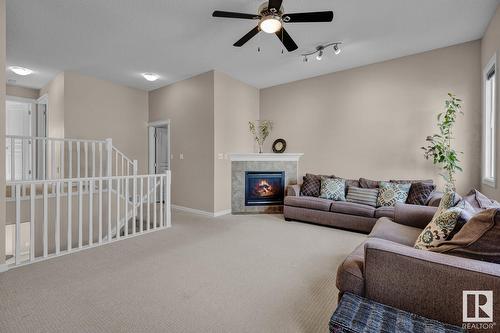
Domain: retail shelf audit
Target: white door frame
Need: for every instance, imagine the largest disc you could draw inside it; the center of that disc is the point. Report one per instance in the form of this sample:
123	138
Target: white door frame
151	143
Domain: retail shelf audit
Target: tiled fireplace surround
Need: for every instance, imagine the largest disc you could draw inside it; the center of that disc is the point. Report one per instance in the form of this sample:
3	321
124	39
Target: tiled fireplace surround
266	162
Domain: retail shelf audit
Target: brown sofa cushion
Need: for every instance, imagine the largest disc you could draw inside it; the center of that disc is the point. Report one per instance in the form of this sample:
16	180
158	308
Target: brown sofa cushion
412	181
395	232
309	203
350	272
352	208
478	239
311	185
387	211
420	193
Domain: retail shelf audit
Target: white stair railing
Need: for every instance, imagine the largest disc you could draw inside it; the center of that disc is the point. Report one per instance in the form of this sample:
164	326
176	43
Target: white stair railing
68	215
39	158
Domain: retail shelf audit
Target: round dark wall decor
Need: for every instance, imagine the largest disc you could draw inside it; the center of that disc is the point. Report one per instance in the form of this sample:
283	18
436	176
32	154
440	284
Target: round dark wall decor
279	146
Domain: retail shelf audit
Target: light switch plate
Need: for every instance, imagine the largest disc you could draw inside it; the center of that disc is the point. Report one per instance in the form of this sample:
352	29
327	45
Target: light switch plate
220	156
181	156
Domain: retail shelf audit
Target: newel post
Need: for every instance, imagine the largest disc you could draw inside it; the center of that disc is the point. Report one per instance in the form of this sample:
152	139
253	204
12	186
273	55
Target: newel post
167	199
109	151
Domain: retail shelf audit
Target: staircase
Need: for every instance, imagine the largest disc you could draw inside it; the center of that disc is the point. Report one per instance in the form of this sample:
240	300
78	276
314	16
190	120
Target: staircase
66	195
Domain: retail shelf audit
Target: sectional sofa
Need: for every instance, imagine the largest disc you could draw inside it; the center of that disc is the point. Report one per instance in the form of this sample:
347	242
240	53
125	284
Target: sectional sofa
344	214
387	268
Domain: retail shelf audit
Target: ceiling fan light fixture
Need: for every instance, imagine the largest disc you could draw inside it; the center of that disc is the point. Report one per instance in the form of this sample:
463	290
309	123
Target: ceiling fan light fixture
270	24
151	76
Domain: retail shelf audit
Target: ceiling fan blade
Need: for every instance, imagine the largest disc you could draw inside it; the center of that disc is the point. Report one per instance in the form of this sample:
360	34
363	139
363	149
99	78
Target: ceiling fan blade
247	37
308	17
276	4
219	13
286	40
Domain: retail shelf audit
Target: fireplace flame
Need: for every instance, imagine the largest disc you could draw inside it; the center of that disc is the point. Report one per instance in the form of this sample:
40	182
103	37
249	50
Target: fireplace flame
264	189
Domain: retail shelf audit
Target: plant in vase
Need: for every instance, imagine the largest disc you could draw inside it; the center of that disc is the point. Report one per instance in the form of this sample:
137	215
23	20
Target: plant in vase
260	130
439	147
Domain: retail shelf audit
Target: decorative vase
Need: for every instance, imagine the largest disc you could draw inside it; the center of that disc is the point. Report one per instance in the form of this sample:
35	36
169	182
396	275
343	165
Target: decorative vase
260	130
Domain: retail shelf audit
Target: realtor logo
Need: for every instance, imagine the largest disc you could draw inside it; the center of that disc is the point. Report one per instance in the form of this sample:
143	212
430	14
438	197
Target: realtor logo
477	306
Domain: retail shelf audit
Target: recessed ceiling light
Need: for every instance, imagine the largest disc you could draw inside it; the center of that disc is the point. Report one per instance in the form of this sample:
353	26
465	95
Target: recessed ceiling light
151	76
21	70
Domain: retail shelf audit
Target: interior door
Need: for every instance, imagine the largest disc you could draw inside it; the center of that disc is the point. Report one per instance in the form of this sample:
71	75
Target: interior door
18	158
161	150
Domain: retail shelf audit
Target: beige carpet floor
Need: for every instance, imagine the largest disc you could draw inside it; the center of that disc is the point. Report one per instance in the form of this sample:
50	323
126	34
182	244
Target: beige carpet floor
230	274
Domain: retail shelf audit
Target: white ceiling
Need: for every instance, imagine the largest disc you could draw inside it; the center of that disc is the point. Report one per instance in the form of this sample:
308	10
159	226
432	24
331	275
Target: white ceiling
117	40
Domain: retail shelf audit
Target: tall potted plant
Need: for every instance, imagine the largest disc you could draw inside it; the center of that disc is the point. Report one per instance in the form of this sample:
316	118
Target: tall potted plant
439	146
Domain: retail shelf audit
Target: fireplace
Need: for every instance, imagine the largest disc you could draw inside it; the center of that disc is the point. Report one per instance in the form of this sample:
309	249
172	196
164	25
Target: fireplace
264	188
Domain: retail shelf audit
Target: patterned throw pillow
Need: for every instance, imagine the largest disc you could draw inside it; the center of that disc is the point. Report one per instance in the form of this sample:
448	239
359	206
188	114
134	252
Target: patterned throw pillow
333	189
419	193
441	225
311	185
364	196
391	193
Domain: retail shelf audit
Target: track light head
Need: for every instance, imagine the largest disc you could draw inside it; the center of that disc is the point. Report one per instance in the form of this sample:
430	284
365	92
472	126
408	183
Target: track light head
336	49
305	59
320	55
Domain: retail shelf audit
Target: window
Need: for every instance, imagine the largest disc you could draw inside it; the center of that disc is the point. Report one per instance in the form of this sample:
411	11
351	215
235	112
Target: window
489	126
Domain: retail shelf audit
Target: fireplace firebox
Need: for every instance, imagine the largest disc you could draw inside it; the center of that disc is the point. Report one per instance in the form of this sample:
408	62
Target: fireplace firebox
264	188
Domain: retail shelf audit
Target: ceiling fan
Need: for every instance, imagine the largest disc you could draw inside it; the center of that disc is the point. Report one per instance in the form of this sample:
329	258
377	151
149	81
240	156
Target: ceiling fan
271	19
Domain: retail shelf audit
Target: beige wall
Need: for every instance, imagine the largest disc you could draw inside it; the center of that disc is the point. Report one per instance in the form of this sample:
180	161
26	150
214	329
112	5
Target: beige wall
371	121
236	104
189	104
97	109
55	115
2	131
489	46
17	91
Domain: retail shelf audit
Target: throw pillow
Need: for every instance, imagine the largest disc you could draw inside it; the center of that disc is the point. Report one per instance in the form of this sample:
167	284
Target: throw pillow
478	239
368	183
420	193
311	185
441	225
412	181
479	200
364	196
333	189
392	193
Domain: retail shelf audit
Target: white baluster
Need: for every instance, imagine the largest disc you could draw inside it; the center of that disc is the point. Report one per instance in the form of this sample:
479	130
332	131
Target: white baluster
162	221
118	208
12	159
33	159
18	225
91	212
86	151
61	172
32	221
80	214
45	219
70	159
100	210
168	206
134	202
100	160
154	202
70	216
148	217
93	159
78	155
126	207
110	186
141	208
44	158
57	234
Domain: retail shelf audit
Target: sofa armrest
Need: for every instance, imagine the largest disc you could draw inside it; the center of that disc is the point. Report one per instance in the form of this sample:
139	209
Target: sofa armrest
435	199
413	215
426	283
293	190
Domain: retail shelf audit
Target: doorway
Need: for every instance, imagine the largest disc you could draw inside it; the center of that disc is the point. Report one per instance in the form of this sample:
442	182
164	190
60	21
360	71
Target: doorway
159	147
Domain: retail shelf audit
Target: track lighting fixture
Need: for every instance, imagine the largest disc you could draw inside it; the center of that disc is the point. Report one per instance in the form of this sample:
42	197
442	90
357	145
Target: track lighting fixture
305	59
319	52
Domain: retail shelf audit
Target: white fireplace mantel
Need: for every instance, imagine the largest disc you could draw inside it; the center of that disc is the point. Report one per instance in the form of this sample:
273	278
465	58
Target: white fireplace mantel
265	157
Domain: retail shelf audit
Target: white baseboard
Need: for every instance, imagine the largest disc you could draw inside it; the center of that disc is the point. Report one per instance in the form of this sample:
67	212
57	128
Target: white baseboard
201	212
4	268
